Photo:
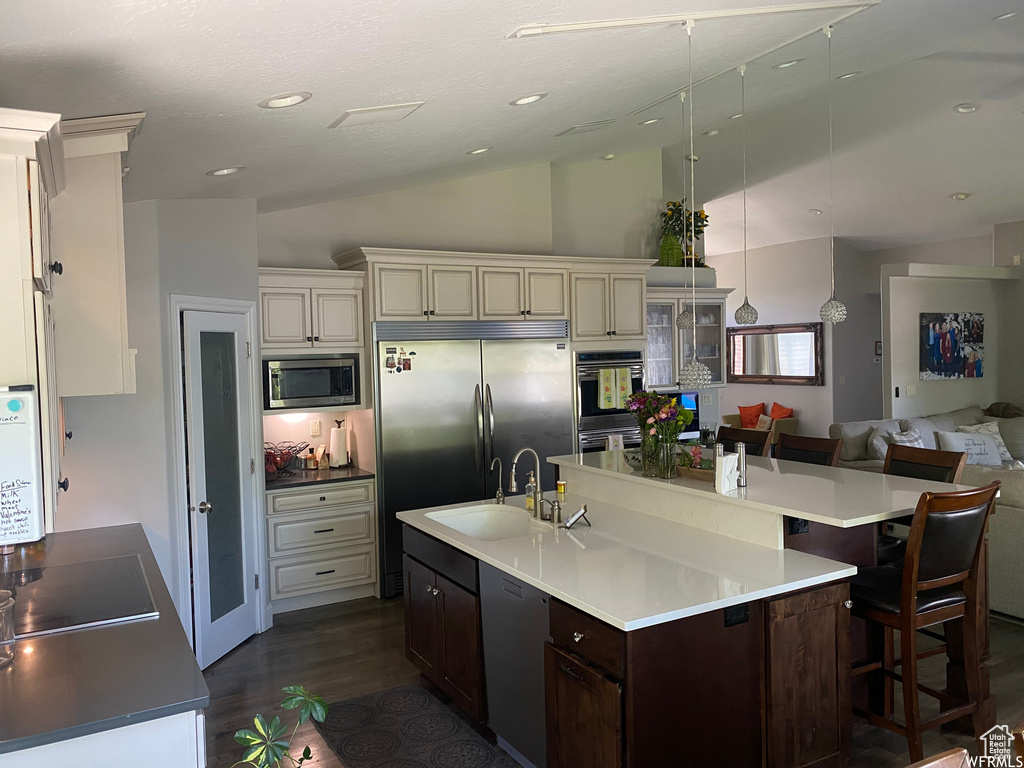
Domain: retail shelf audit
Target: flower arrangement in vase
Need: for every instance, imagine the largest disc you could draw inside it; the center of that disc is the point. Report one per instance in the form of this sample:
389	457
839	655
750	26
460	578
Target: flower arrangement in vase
693	463
679	226
661	420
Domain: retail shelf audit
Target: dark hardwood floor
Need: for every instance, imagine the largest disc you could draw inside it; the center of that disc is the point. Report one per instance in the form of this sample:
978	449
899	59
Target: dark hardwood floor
347	650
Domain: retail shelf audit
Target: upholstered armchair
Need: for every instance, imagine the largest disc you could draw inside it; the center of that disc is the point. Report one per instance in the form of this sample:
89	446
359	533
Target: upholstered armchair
779	426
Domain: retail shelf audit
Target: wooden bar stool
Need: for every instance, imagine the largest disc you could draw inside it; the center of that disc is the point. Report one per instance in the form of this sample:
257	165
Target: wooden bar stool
924	464
809	450
937	583
758	441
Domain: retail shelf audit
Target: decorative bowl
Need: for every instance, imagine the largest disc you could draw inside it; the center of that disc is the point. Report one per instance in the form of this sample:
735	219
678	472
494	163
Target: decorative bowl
632	457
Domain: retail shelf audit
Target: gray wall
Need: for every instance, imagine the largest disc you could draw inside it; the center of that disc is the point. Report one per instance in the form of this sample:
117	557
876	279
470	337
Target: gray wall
120	462
856	371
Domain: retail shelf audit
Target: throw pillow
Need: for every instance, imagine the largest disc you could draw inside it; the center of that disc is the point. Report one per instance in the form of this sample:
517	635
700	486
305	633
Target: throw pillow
980	449
878	443
911	437
749	415
763	422
927	428
1012	432
779	412
989	428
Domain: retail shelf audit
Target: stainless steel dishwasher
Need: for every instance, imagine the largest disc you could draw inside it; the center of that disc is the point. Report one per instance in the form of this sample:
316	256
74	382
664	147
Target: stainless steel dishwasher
514	616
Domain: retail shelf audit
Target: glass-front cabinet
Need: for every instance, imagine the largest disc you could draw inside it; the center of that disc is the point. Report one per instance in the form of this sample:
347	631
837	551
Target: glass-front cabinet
668	347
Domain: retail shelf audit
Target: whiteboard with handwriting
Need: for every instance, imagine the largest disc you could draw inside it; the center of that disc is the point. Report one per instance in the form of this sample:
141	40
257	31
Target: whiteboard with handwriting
21	476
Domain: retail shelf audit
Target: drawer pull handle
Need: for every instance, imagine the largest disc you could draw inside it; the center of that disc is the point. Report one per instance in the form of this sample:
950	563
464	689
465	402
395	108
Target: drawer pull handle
573	673
324	573
577	636
323	498
848	604
435	591
429	587
324	530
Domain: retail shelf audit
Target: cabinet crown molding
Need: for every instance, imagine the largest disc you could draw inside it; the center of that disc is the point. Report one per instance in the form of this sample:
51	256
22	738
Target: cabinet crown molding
372	255
86	136
35	135
288	277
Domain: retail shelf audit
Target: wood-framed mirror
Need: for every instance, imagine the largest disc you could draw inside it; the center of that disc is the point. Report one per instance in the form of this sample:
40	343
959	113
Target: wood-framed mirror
777	354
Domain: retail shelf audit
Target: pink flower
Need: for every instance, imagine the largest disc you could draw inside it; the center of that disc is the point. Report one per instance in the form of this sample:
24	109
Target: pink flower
650	419
653	430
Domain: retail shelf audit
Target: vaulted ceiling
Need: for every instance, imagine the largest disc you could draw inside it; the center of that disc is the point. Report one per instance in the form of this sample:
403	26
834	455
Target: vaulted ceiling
199	68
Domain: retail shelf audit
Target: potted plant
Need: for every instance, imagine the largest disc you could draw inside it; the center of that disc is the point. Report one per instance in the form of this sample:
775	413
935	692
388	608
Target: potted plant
265	747
680	227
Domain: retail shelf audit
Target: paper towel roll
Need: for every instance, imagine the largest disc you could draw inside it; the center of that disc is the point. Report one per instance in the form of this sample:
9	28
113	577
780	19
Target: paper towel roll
339	447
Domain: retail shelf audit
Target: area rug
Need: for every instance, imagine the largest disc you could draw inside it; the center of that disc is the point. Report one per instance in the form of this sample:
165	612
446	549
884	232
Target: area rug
406	727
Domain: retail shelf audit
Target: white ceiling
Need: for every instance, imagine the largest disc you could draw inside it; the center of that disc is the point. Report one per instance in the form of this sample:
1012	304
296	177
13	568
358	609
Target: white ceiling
197	68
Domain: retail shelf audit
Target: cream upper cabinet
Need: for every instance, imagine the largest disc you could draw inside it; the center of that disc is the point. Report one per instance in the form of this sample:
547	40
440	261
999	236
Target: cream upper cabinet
608	307
285	317
501	294
303	309
547	294
400	292
669	348
452	294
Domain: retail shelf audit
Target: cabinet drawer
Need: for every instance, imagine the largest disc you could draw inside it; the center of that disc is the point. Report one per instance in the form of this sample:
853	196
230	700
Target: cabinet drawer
288	533
591	638
330	569
318	498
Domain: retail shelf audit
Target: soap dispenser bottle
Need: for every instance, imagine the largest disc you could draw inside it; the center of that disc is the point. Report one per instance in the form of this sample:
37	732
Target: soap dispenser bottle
531	489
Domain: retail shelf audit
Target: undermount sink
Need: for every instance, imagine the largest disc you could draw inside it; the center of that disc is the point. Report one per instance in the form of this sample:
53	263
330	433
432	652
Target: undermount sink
490	522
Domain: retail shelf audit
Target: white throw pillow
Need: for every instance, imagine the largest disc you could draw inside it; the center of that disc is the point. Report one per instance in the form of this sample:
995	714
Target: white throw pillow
980	449
878	443
1012	432
988	428
911	437
763	422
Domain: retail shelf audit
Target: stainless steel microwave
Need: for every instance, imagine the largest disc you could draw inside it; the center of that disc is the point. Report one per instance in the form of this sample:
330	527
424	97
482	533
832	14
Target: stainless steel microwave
311	382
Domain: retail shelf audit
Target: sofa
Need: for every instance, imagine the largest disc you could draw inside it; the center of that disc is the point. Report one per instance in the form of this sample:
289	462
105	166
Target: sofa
1006	528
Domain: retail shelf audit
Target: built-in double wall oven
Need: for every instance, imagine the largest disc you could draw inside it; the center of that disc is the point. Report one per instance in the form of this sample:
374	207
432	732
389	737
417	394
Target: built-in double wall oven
594	423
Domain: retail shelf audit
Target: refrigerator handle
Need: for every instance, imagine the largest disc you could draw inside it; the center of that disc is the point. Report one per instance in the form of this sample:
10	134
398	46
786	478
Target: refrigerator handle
479	407
489	443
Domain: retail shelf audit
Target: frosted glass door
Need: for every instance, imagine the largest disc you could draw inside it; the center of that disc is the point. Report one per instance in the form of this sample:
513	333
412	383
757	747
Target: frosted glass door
218	419
662	367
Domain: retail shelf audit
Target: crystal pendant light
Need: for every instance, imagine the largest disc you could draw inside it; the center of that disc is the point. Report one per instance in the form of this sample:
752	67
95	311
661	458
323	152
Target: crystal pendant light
693	375
684	320
746	314
832	311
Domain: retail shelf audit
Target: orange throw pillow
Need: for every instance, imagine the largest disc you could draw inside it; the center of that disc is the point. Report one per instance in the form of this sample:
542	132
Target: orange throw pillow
778	412
749	415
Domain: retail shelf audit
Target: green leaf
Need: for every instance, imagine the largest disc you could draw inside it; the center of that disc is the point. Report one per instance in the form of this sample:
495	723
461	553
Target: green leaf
261	726
307	753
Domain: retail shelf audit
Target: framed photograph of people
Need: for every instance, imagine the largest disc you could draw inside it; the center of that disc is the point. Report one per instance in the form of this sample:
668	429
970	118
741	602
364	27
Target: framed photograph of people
952	345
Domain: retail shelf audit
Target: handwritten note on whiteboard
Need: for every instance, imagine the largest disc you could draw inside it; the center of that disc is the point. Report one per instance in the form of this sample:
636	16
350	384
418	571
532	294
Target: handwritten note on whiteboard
21	484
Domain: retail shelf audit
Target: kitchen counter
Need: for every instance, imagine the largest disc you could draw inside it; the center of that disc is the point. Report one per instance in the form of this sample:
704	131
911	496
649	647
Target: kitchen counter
633	570
842	498
80	682
315	476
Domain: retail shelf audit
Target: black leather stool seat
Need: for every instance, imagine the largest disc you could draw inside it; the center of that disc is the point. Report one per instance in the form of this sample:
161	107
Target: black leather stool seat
880	588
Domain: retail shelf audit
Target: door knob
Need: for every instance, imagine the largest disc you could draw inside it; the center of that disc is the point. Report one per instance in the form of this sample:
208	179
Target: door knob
63	485
435	591
205	507
68	434
56	267
848	604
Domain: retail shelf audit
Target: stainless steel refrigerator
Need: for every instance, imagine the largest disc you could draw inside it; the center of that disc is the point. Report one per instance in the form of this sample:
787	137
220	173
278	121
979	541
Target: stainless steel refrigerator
451	396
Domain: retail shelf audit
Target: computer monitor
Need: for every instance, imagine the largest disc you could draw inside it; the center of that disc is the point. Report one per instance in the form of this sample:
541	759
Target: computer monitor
690	401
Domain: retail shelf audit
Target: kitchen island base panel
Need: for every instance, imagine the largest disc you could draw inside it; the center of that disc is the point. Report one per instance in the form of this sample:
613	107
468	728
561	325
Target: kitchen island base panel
178	741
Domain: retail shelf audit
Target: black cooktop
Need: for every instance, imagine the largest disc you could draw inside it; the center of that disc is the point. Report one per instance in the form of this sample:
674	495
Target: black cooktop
61	598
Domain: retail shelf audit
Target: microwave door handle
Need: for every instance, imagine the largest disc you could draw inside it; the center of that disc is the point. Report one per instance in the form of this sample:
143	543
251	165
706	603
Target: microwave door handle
489	443
478	408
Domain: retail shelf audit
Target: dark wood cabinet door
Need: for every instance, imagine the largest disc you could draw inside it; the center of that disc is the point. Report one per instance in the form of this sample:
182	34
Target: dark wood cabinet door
584	713
460	656
421	637
808	710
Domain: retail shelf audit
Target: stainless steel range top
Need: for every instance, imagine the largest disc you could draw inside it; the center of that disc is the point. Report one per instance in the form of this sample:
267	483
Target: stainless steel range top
62	598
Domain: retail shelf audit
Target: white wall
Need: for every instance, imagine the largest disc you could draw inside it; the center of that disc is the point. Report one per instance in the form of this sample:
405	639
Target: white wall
909	297
787	284
1008	242
970	251
503	212
607	207
856	379
120	462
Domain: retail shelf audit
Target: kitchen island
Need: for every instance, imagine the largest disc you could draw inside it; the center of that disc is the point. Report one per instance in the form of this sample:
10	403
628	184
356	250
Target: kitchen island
121	693
648	642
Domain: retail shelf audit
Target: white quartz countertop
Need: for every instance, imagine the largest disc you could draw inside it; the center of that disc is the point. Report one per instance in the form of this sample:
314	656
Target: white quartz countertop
831	495
633	570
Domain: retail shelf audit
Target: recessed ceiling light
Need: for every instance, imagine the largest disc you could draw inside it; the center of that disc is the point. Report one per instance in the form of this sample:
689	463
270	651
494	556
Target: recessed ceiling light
651	121
815	211
848	75
787	64
226	171
608	157
692	158
966	109
737	116
479	151
712	132
285	100
959	196
1005	16
523	101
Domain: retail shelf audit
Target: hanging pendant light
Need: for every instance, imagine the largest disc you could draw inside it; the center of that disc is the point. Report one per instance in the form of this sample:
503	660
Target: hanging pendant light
832	311
693	375
746	314
685	319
